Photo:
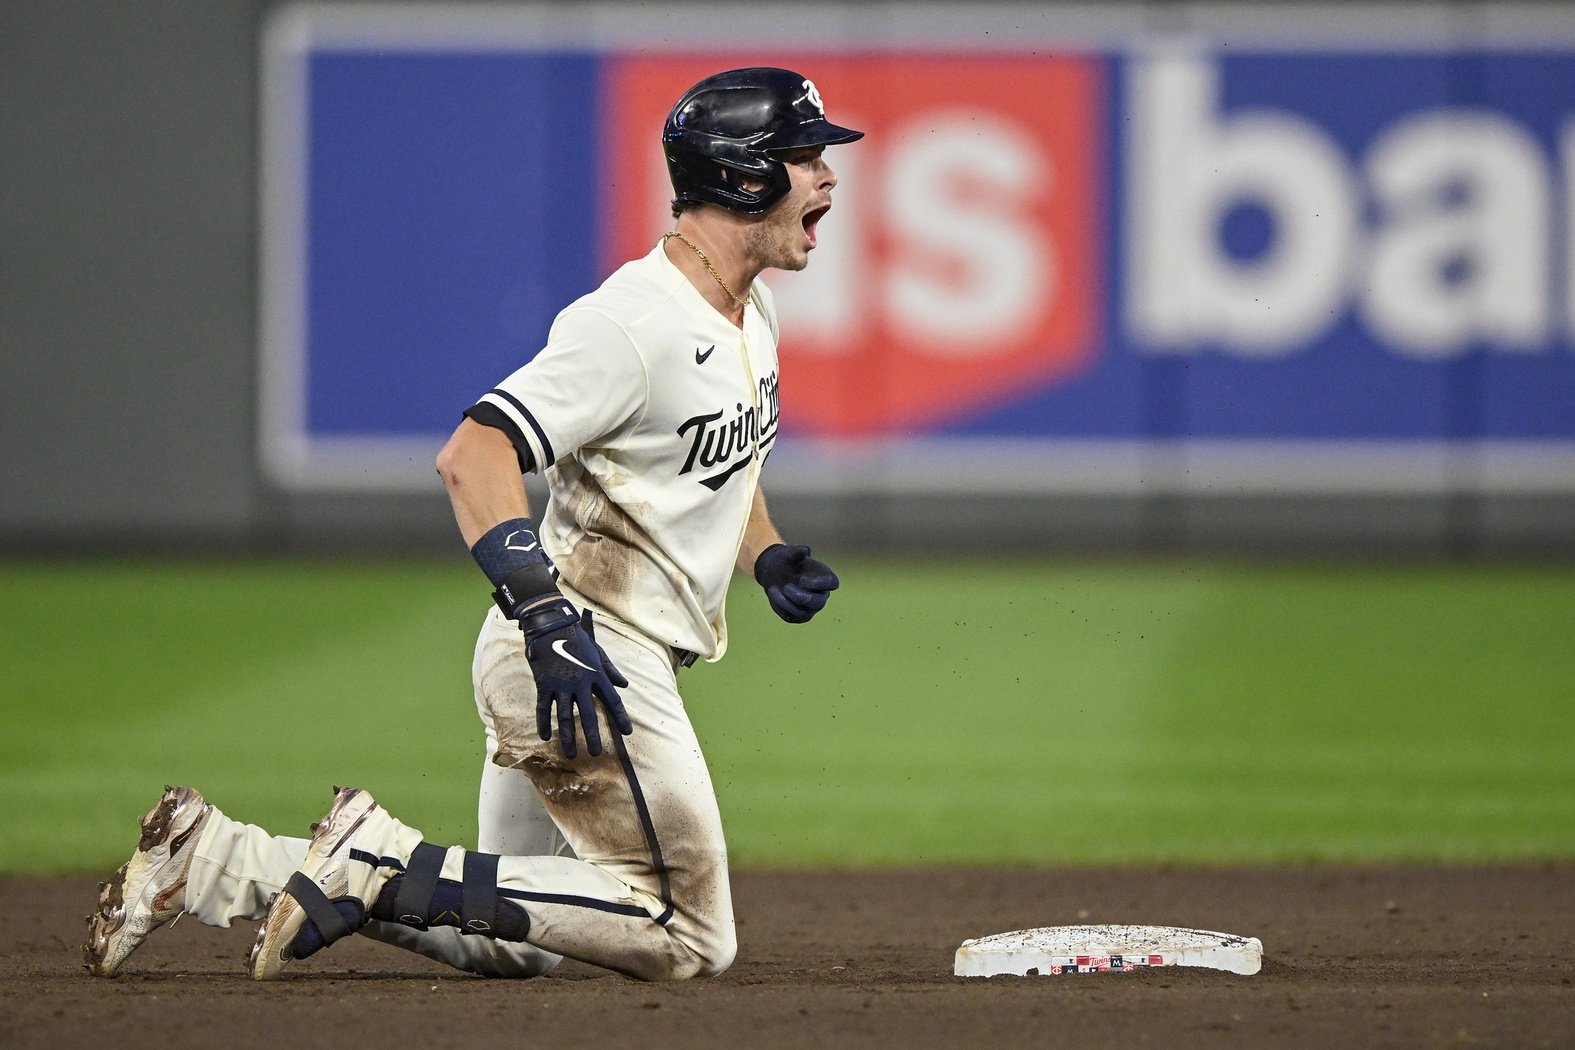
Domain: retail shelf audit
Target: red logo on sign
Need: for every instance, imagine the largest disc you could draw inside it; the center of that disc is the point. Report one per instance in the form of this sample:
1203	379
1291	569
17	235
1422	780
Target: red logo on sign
959	266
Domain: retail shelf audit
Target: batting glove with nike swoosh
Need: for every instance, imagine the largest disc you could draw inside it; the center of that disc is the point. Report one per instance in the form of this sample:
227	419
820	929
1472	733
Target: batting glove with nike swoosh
796	585
571	671
570	668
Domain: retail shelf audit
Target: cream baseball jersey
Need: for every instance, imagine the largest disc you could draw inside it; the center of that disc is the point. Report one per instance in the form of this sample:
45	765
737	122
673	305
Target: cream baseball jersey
651	415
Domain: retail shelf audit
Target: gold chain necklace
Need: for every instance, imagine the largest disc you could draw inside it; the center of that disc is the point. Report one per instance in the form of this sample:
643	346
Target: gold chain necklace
708	267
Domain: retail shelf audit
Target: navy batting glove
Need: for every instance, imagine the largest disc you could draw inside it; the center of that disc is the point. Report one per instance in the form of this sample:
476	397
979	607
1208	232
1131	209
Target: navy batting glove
570	668
571	671
797	586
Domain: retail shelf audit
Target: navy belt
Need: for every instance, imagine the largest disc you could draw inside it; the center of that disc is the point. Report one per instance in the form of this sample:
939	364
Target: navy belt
683	657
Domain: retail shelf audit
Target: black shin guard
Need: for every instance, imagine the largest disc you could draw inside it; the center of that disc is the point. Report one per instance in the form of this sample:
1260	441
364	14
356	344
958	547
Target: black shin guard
421	898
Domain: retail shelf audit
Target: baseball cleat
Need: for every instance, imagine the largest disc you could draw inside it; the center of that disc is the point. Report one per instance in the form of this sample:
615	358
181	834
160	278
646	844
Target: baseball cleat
330	894
149	889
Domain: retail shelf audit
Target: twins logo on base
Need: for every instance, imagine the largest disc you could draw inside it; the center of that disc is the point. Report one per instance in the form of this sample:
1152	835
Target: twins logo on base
1054	950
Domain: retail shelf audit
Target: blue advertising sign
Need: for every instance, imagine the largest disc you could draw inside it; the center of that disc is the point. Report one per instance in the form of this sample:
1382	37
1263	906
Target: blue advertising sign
1239	259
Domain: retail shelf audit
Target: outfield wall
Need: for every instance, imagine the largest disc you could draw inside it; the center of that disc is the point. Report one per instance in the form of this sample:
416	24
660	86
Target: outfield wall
1113	277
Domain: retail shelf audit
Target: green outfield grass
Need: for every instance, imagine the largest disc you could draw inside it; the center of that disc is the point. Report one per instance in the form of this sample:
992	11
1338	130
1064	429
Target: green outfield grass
1021	711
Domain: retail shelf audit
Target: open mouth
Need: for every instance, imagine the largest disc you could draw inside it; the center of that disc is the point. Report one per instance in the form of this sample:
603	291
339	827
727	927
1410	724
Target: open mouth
812	219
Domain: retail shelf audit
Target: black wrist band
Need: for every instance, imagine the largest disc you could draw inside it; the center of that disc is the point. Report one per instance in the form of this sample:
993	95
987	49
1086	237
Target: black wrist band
523	586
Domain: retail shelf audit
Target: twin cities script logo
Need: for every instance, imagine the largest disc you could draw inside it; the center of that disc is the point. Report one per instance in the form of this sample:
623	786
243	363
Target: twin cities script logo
729	439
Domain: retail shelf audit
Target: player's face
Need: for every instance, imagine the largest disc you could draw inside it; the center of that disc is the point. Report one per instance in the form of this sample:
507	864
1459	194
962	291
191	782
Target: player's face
784	236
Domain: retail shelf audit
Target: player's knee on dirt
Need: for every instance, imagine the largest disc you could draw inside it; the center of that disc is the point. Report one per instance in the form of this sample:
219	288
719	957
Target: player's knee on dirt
683	962
718	956
698	945
712	947
711	961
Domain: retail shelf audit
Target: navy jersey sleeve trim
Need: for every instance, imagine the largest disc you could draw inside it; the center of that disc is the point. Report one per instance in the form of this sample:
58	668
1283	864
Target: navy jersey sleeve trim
490	415
541	435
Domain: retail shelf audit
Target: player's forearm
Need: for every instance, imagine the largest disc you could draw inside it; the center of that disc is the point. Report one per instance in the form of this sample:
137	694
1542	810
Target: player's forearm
759	534
481	473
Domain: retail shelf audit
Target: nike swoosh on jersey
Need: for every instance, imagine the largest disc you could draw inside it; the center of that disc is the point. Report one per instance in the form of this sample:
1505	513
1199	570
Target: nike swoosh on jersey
559	648
700	358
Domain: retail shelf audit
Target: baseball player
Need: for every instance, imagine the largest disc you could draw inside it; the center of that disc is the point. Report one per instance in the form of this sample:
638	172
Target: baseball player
651	410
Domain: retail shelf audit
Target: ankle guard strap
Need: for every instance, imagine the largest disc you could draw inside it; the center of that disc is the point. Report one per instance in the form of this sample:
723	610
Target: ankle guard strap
334	919
478	901
417	886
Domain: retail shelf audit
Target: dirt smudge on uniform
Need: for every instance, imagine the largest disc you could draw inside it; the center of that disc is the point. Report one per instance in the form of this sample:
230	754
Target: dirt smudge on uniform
612	549
561	783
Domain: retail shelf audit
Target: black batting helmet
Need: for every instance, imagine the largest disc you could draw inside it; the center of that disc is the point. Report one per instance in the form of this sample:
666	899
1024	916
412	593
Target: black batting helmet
731	123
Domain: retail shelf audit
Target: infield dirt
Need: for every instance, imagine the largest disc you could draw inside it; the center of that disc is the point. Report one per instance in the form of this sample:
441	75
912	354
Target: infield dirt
1412	956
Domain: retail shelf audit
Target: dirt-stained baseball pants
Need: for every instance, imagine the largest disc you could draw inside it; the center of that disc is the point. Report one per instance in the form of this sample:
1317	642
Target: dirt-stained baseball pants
619	860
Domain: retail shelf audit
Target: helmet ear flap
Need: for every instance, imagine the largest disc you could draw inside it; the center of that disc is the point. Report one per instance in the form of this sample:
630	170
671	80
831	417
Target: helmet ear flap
715	171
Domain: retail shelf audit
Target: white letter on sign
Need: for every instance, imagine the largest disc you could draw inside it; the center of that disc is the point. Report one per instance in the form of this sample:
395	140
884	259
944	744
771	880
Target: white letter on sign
1461	252
1188	165
973	270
